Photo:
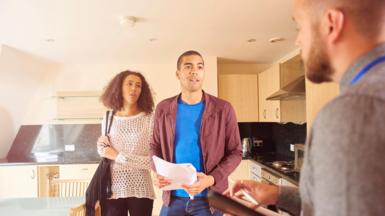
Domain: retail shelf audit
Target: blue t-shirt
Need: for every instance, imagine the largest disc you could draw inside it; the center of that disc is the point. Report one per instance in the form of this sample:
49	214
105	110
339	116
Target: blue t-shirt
187	139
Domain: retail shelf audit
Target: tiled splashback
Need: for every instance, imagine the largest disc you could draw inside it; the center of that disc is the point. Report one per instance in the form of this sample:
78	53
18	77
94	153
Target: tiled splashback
276	137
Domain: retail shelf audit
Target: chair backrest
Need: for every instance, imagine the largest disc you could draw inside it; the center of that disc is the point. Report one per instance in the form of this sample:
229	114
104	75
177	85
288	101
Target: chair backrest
68	187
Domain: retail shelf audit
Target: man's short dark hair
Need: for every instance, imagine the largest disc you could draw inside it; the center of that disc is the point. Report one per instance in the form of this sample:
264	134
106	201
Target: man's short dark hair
368	15
187	53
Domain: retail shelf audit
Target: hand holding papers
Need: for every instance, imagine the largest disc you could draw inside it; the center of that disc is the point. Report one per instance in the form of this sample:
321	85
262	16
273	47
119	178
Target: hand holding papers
179	174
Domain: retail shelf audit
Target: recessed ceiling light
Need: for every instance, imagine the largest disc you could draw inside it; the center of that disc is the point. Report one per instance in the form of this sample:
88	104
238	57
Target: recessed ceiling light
128	20
276	39
251	40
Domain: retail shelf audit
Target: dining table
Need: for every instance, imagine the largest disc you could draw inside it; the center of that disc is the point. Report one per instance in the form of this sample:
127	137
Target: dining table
39	206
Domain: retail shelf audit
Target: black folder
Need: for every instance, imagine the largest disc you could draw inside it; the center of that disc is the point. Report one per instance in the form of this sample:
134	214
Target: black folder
228	205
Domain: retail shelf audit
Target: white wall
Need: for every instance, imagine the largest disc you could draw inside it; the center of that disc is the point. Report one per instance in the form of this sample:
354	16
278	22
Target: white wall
22	77
28	83
161	77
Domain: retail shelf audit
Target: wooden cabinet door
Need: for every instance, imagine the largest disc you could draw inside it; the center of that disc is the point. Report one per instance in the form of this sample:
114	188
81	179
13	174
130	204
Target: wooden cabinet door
274	111
241	172
284	182
268	84
18	181
263	89
317	95
241	90
255	171
77	171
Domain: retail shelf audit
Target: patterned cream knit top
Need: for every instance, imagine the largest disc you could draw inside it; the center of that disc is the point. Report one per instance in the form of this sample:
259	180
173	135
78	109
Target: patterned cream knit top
130	136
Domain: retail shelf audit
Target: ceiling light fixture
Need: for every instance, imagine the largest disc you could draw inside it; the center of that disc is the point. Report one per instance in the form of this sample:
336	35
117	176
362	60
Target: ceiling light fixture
276	39
128	20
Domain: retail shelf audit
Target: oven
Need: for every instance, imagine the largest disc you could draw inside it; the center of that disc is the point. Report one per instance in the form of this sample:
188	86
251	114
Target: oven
269	177
299	152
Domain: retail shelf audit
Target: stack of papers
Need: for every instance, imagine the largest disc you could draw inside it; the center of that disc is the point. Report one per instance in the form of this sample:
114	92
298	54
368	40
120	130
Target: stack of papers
179	174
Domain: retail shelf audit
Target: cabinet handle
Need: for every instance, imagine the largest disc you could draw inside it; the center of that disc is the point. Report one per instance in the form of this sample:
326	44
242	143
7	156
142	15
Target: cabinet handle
277	113
33	174
264	113
84	169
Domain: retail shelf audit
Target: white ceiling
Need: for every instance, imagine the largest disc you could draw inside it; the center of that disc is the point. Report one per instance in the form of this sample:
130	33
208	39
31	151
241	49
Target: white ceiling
88	31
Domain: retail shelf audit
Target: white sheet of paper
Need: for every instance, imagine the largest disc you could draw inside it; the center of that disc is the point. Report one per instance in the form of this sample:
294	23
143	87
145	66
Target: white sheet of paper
178	173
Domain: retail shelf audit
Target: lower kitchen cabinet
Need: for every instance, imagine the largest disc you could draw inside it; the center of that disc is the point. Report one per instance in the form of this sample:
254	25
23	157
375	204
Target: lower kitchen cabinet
241	172
284	182
77	171
18	181
63	171
255	171
249	169
33	180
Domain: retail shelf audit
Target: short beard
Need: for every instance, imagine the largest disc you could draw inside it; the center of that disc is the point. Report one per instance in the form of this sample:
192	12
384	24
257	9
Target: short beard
318	67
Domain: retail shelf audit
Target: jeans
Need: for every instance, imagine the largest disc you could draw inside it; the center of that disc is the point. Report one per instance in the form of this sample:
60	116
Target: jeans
183	206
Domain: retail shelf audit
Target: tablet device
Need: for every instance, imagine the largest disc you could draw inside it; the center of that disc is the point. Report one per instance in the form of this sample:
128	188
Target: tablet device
228	205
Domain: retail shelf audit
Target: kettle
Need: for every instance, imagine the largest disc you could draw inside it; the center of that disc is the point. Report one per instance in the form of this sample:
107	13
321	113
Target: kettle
246	146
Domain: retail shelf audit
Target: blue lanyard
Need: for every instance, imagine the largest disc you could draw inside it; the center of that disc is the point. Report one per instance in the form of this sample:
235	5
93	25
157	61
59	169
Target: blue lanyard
366	69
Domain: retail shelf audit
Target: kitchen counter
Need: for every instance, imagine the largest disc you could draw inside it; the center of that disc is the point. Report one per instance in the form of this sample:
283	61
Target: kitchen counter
54	158
22	163
266	159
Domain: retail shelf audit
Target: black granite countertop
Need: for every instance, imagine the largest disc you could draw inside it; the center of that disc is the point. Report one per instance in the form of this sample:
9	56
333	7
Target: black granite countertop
54	144
266	159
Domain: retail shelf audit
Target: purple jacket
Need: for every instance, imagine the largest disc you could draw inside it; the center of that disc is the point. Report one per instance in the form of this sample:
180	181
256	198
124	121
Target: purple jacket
219	138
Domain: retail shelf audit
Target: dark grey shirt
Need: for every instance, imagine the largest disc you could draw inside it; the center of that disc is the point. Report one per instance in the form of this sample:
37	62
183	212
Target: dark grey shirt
344	167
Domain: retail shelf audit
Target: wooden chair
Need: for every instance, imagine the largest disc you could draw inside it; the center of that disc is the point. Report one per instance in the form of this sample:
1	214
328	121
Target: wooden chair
67	187
78	210
81	210
72	188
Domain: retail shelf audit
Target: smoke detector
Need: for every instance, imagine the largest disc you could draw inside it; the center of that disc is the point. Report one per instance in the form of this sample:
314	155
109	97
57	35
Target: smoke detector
128	20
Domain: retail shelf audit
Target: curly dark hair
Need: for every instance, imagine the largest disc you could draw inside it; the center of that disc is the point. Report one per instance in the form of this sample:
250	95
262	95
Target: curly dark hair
112	96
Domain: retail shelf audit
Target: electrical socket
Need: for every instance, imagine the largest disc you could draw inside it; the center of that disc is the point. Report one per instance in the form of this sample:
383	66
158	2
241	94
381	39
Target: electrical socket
292	147
69	147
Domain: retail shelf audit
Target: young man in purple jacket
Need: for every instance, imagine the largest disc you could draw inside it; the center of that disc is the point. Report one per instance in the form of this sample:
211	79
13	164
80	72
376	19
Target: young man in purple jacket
198	128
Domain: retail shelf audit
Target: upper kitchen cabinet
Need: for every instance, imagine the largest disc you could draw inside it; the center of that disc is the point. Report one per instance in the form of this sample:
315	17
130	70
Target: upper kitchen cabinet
317	95
238	84
242	92
268	82
282	92
78	107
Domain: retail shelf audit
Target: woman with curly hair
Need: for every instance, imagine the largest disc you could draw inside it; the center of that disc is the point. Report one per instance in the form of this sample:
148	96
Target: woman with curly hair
127	145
